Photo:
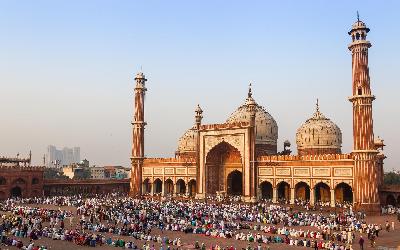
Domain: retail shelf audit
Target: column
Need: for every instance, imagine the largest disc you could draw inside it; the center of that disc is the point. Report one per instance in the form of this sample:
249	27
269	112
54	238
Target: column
163	188
174	190
259	193
333	198
151	188
274	195
312	198
187	189
292	196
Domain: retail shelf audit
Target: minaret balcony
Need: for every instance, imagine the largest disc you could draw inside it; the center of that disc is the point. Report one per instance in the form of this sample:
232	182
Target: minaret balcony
355	97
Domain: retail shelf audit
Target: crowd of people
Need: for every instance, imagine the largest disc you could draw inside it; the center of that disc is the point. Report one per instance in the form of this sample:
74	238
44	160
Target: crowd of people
142	223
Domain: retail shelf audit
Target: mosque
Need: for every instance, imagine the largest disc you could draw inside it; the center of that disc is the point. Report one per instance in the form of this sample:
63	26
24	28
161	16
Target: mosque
240	156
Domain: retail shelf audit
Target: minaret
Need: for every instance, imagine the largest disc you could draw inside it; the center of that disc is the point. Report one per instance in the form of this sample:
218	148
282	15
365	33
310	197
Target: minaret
138	135
251	107
198	118
364	153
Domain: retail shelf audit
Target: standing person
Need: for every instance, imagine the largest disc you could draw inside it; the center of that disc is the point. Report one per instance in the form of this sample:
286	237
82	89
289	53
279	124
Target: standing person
392	225
372	240
361	242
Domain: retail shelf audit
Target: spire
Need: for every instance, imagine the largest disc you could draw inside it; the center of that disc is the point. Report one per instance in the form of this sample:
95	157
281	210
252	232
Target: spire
249	94
198	115
318	115
358	16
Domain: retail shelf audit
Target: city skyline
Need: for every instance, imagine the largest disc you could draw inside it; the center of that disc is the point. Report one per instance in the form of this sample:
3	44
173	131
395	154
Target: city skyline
291	62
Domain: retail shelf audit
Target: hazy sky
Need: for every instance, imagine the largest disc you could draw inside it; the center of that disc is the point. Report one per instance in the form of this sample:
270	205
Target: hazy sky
67	68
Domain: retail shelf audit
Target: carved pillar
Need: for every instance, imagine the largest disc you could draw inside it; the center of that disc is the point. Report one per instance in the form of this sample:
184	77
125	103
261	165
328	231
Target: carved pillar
174	190
312	198
163	188
291	195
151	188
274	195
333	198
187	189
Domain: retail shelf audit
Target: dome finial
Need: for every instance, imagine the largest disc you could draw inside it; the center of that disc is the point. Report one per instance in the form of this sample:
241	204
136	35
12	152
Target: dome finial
318	115
358	16
249	94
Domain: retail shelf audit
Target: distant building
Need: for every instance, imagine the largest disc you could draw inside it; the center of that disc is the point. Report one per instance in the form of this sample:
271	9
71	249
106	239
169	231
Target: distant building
63	157
83	163
73	171
116	172
97	173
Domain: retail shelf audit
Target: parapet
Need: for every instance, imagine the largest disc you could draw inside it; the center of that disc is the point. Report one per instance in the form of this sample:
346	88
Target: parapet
222	126
170	160
21	168
322	157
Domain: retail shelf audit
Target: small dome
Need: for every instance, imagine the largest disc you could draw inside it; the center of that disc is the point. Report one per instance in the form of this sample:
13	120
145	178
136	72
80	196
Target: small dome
379	143
359	25
266	127
319	135
187	143
140	75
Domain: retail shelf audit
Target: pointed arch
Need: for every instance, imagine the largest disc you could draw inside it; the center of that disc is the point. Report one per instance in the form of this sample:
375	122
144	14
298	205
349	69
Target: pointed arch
343	193
266	190
218	159
322	192
302	191
157	186
283	191
180	187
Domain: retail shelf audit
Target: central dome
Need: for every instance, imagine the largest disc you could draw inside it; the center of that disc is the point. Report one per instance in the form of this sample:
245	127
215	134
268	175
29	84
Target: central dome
266	127
319	135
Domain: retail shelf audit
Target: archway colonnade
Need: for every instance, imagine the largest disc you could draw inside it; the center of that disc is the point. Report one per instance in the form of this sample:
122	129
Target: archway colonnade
321	193
169	188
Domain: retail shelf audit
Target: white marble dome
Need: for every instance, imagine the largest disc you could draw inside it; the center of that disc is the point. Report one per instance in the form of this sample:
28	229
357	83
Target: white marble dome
266	127
319	133
187	142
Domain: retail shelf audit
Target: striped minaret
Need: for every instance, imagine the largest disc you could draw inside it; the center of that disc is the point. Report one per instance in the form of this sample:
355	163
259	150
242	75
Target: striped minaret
364	153
138	124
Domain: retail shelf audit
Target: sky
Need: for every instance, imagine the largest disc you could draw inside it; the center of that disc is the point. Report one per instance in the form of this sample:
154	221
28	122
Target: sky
67	69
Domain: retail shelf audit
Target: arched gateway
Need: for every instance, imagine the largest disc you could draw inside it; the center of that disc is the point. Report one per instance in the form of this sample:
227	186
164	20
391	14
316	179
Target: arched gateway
224	170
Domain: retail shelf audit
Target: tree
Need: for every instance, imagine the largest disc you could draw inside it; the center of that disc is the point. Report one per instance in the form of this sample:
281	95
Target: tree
52	173
83	174
391	178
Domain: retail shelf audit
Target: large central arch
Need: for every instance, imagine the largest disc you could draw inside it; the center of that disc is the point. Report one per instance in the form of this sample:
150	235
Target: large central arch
221	160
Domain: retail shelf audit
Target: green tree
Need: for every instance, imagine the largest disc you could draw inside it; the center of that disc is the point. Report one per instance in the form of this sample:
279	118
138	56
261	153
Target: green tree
391	178
52	173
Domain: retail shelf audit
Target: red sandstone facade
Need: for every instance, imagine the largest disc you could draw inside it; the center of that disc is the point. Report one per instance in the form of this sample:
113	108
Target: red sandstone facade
239	157
19	179
85	187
